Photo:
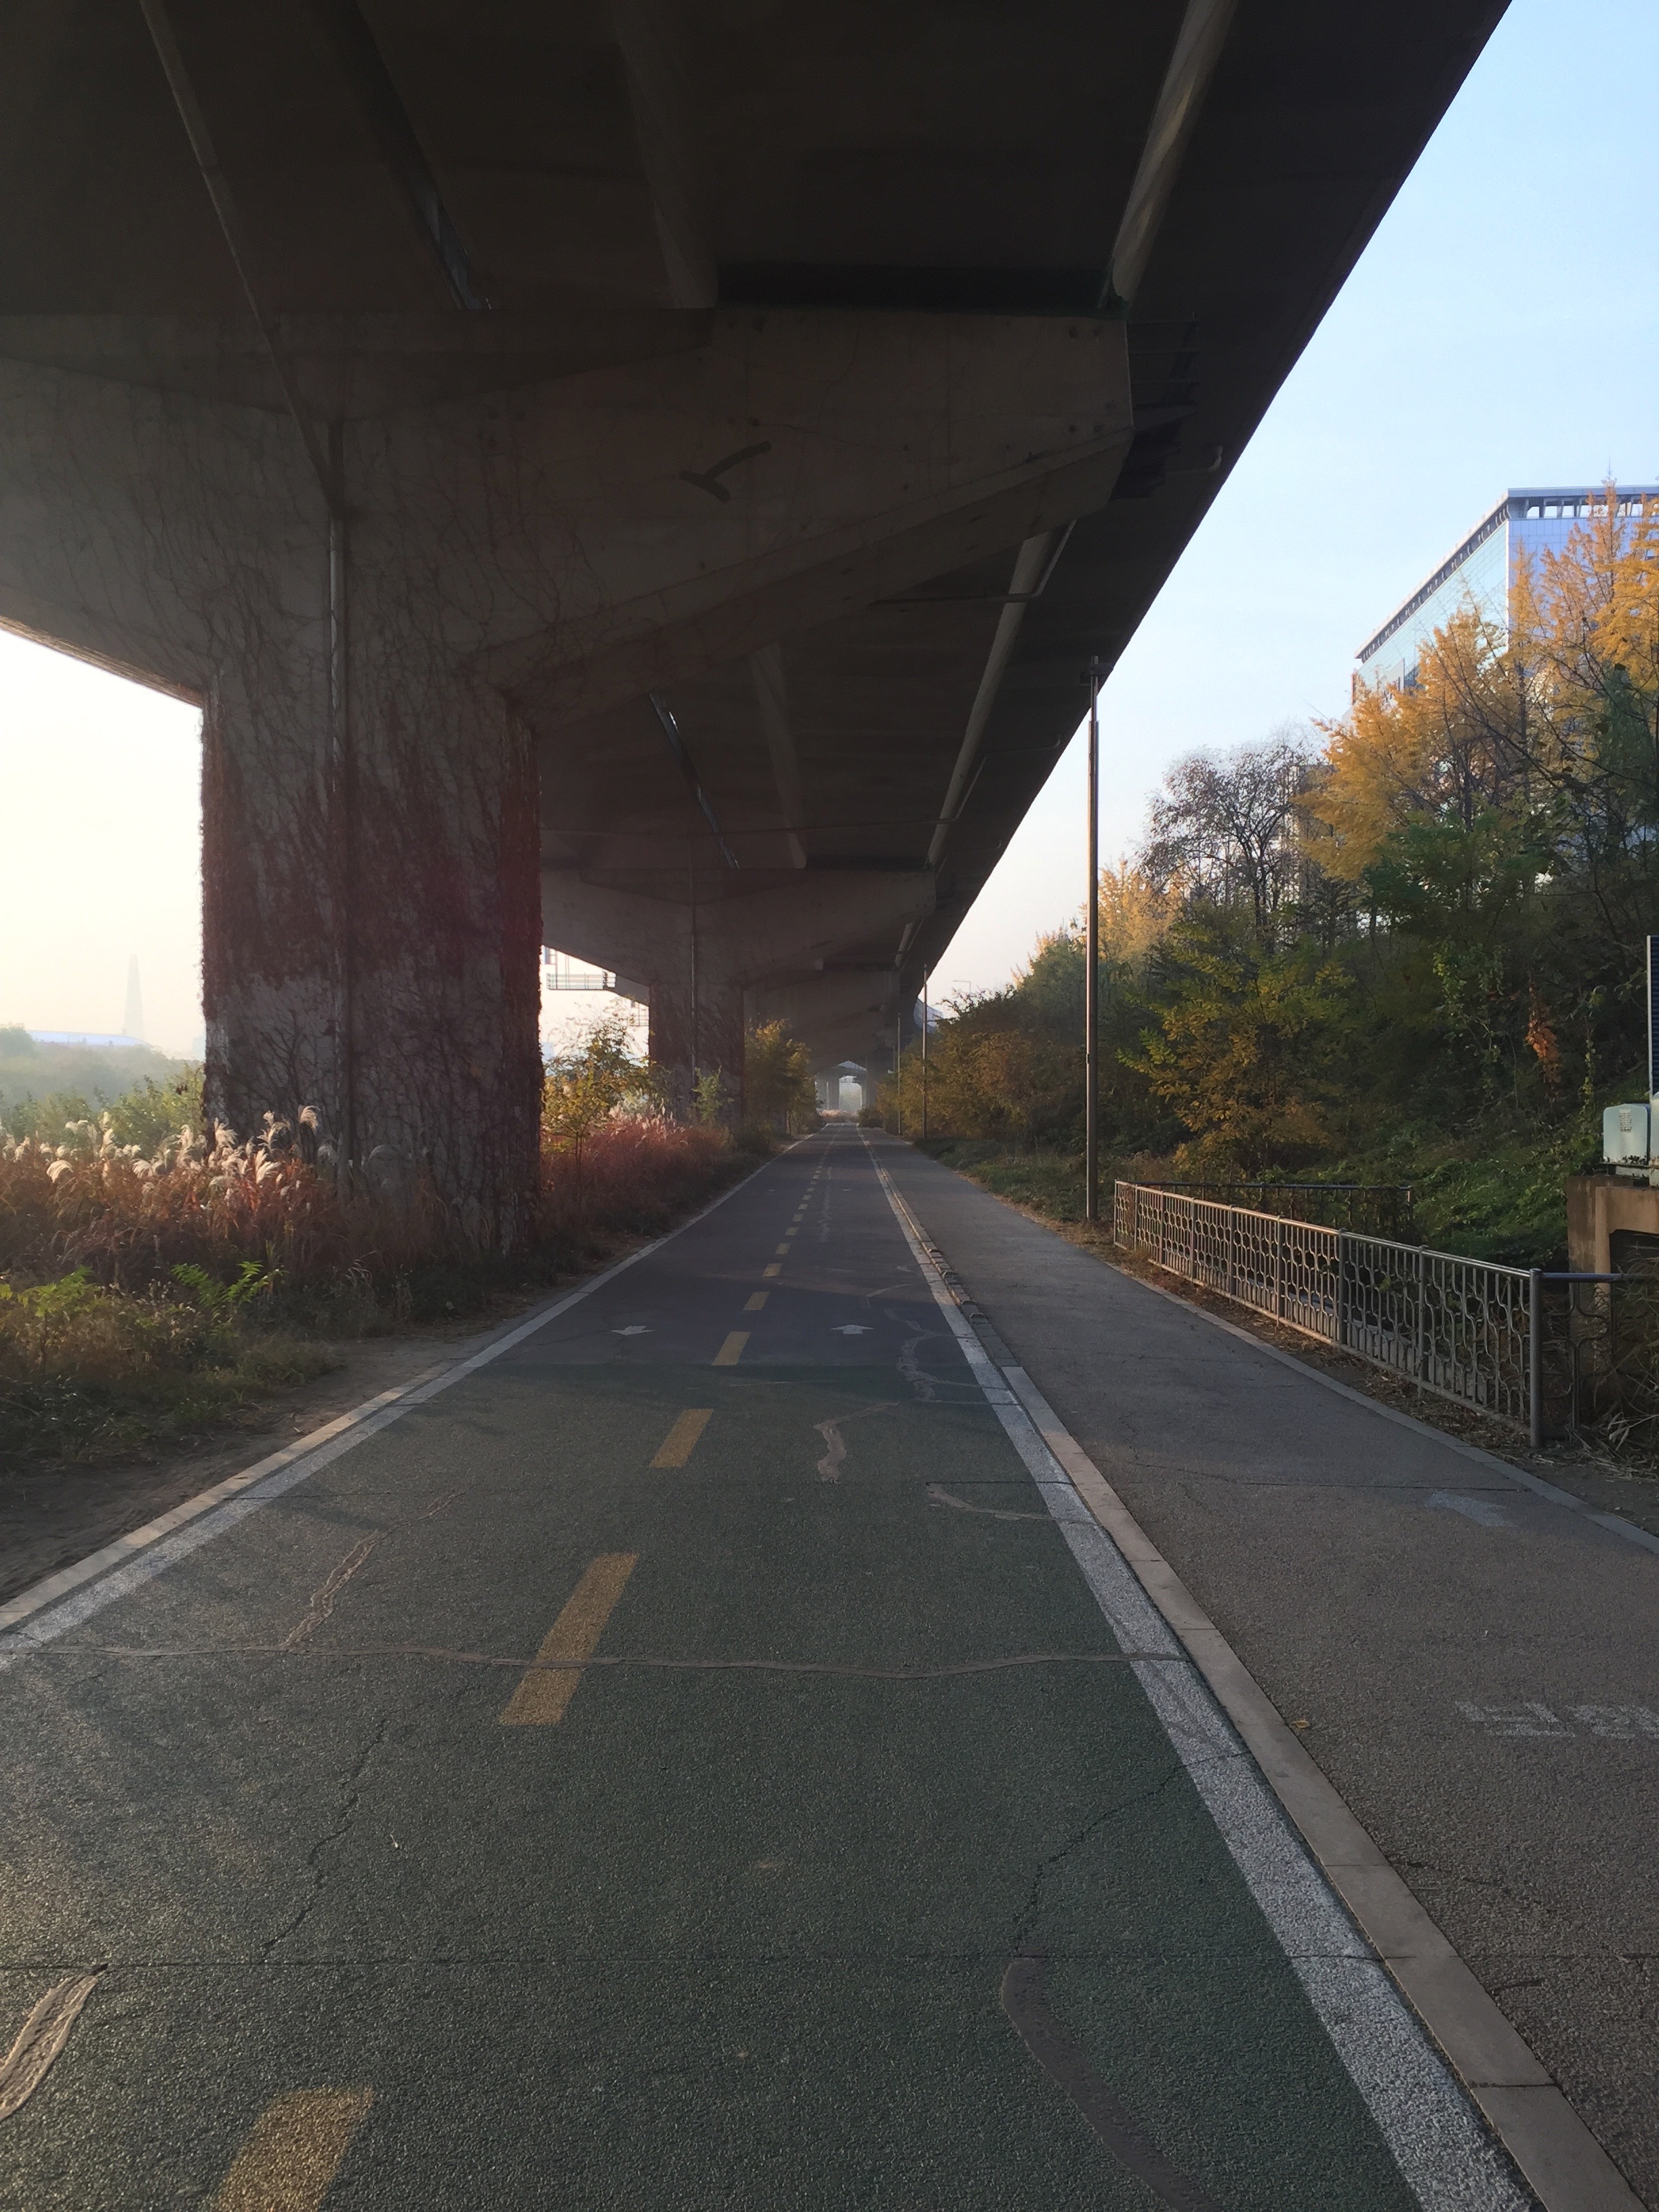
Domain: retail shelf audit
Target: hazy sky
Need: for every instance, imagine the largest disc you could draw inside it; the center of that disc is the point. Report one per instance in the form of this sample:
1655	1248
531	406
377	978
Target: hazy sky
1503	328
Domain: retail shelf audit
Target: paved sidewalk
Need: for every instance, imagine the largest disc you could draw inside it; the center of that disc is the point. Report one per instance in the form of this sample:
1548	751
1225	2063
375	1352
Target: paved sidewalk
1477	1669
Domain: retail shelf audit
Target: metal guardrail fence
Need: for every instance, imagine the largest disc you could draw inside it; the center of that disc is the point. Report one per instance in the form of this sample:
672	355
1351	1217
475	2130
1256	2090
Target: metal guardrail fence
1465	1329
1370	1209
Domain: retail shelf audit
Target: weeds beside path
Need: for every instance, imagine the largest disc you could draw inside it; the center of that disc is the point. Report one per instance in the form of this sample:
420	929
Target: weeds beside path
58	1506
146	1302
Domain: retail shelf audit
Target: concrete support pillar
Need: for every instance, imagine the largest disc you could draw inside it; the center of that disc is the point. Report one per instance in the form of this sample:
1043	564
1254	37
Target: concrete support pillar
697	1036
762	953
537	528
370	844
371	925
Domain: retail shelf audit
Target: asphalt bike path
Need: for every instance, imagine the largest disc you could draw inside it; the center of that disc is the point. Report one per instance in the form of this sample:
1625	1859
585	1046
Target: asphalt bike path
706	1756
1471	1661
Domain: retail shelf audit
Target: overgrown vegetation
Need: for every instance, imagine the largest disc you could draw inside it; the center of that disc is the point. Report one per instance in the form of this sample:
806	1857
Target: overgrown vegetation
156	1278
1405	947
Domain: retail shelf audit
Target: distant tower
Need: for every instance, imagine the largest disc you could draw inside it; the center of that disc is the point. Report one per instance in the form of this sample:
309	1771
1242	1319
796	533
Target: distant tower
132	1021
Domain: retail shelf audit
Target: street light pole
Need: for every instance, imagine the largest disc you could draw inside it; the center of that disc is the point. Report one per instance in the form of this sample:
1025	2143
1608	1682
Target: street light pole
1091	975
924	1054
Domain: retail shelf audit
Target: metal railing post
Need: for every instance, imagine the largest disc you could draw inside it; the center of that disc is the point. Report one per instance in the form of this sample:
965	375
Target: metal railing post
1421	1330
1340	1286
1535	1357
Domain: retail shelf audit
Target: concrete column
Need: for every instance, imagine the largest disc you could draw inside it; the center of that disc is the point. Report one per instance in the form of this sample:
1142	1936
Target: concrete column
370	898
764	951
372	929
539	529
689	1038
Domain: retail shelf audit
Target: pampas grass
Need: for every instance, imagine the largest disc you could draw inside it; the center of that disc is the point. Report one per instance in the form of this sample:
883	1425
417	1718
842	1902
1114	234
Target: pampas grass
147	1294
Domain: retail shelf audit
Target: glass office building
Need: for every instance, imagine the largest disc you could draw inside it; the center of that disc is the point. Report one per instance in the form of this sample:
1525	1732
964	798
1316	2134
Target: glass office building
1483	571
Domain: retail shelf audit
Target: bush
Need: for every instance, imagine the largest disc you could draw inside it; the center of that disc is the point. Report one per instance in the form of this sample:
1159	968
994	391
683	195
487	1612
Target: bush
85	1371
632	1173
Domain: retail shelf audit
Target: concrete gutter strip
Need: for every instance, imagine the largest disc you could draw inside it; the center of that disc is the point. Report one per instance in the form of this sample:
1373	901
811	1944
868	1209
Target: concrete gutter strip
1561	2159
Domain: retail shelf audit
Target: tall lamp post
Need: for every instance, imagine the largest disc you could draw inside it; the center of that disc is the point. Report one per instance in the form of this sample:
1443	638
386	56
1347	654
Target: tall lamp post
1091	954
924	1054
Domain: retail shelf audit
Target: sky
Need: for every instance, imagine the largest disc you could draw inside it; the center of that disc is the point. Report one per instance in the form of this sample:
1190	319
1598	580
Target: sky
1501	329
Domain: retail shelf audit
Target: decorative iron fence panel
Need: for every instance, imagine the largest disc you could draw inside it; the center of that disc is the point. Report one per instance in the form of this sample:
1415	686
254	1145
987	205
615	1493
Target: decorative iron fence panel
1459	1328
1369	1209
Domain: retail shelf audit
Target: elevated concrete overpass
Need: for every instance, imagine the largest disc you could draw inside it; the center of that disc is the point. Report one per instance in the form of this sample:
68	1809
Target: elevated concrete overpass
646	479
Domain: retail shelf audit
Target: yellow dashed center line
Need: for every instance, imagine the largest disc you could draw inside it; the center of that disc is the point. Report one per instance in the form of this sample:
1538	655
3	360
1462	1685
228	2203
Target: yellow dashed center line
542	1696
681	1440
772	1269
731	1351
757	1301
293	2152
783	1251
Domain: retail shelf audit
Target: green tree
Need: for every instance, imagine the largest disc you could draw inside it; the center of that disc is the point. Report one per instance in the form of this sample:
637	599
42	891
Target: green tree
777	1077
581	1089
1250	1051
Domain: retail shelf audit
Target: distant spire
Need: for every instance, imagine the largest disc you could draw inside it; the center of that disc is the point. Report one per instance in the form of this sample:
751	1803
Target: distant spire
132	1021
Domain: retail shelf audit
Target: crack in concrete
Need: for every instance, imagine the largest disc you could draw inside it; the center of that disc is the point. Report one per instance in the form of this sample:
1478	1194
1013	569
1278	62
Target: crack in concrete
351	1796
941	1673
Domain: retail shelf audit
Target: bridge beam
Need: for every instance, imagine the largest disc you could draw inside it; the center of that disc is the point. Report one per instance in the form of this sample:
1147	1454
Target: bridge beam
756	956
376	652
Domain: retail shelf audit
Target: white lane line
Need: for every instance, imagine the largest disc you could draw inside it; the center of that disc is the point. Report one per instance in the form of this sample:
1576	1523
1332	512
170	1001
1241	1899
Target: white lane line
132	1560
1436	2137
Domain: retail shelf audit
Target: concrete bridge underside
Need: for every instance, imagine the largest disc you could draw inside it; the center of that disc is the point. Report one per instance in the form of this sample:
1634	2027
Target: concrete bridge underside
646	479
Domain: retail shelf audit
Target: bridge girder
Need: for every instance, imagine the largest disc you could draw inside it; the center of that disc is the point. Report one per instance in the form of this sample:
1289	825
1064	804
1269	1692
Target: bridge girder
683	459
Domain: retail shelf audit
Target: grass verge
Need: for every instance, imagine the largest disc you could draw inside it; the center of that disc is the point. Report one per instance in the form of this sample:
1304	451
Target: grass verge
1498	1196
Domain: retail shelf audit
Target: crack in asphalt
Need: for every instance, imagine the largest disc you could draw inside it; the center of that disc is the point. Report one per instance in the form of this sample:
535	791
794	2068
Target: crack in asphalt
938	1495
1066	2063
911	1368
322	1603
351	1796
835	1452
941	1673
1045	1867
